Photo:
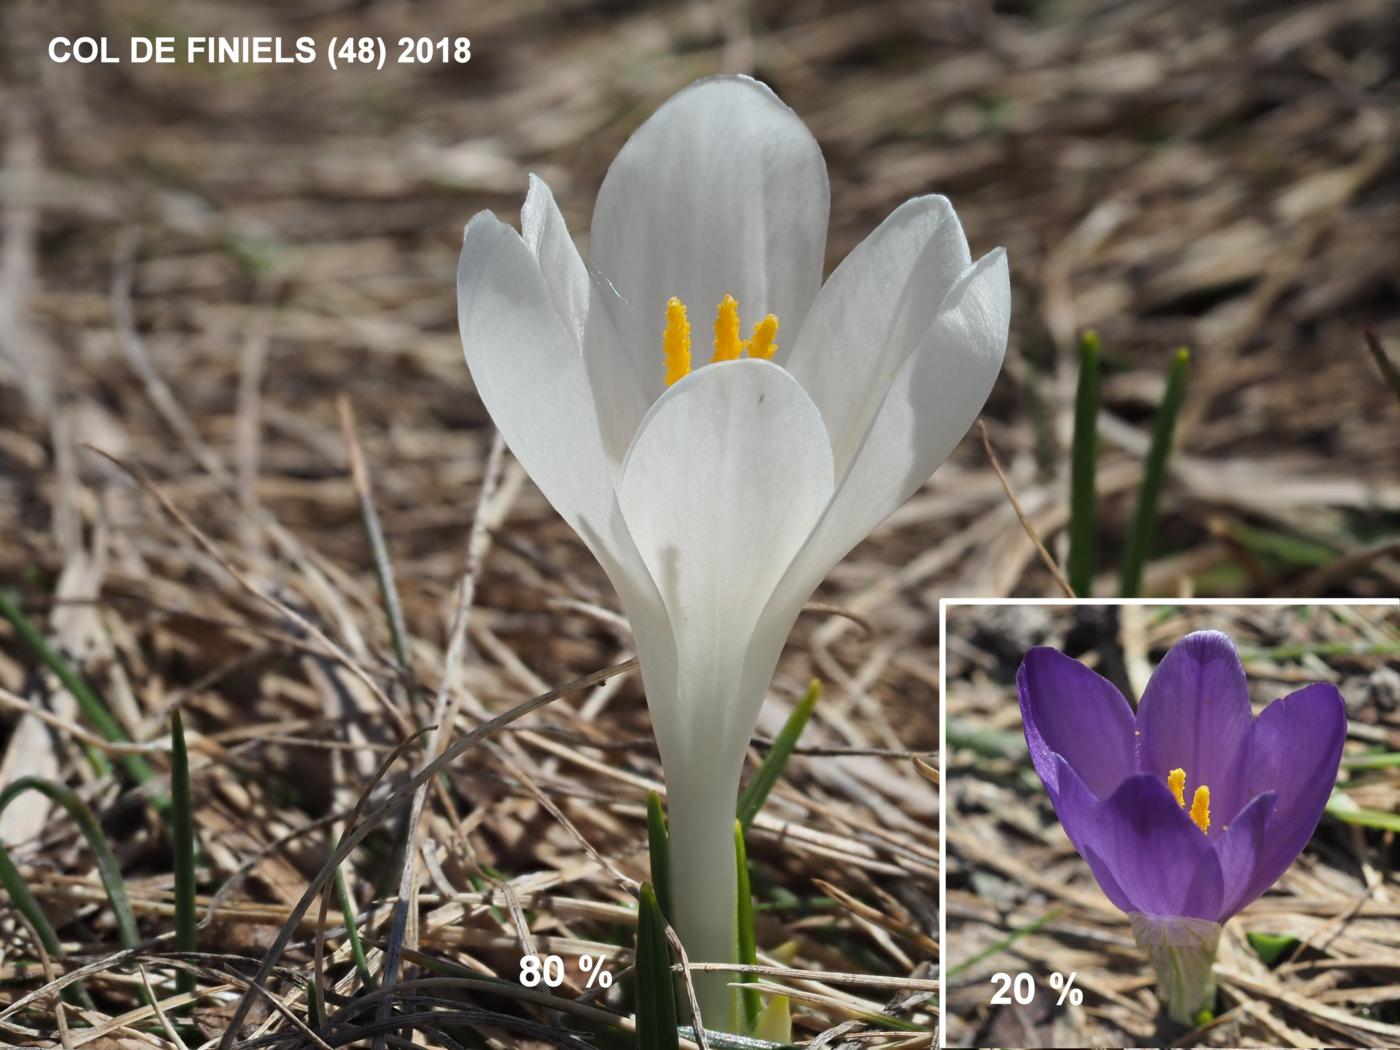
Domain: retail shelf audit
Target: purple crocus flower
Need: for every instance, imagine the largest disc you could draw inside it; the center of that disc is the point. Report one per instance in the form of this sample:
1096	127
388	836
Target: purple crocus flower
1189	809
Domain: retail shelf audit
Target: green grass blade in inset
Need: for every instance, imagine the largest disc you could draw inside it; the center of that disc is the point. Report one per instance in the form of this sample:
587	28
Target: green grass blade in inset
1341	807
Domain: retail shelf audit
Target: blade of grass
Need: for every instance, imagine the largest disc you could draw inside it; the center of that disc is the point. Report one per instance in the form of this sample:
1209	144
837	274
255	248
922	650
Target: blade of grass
771	769
1284	653
1005	942
374	531
1342	808
107	867
361	824
749	998
183	845
88	700
656	993
1280	546
1372	760
1270	947
1083	464
18	892
659	848
1027	526
1154	478
352	930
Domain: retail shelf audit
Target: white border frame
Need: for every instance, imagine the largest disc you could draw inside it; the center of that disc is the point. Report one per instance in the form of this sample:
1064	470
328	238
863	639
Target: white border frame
943	605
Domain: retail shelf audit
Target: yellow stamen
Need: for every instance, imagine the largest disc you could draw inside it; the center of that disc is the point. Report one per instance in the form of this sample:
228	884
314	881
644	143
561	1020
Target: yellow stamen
1200	808
761	344
675	343
727	344
1176	780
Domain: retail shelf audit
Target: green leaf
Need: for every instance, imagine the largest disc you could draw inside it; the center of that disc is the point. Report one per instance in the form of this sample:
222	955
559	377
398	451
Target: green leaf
1270	946
183	846
771	769
352	929
659	848
91	704
656	992
749	998
1341	807
107	867
1371	760
1144	522
1006	942
23	901
1083	463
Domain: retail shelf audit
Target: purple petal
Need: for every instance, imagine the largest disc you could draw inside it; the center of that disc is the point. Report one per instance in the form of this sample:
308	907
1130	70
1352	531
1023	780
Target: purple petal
1195	716
1239	847
1160	862
1076	807
1070	711
1294	750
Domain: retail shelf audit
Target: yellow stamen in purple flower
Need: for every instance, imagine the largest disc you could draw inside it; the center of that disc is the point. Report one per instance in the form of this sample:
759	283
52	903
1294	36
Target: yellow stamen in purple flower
1200	801
1176	780
1200	808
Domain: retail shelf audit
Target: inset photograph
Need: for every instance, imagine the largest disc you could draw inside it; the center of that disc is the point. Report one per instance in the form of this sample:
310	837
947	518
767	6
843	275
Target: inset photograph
1171	824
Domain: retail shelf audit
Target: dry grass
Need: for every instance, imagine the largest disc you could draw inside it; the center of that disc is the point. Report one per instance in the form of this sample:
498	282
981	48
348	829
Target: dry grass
1021	899
195	264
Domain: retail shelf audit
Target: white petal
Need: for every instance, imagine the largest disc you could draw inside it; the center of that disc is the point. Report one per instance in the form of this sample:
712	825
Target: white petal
530	375
577	299
934	398
728	474
545	233
723	191
729	471
872	313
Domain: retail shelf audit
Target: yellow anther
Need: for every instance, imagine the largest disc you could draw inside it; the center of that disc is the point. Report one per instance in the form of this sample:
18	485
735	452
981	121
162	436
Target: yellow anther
675	344
727	344
761	344
1200	808
1176	780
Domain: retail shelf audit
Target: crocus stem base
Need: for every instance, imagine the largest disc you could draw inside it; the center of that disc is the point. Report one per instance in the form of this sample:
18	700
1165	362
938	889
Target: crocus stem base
704	883
1182	951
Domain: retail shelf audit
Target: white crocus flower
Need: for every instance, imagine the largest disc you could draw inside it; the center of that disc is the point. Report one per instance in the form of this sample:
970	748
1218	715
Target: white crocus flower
717	495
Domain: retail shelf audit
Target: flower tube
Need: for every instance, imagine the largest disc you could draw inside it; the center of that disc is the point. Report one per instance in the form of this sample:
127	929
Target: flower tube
1189	809
717	472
